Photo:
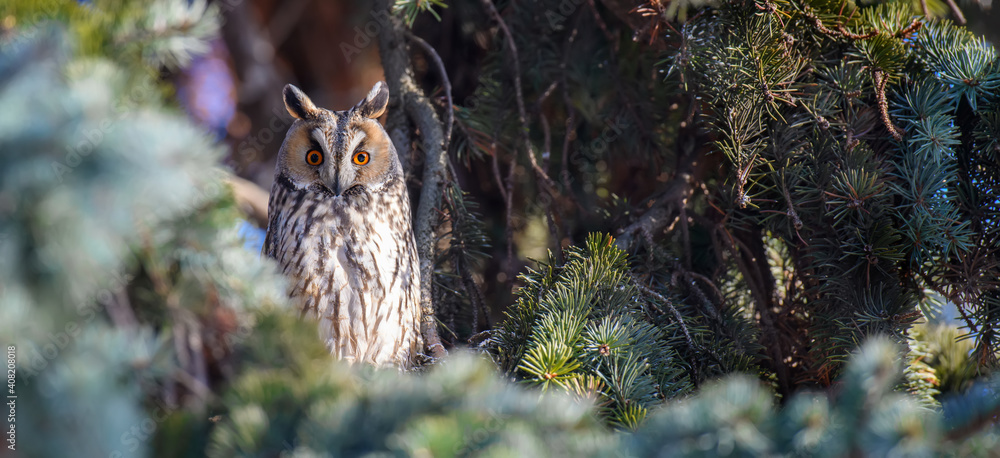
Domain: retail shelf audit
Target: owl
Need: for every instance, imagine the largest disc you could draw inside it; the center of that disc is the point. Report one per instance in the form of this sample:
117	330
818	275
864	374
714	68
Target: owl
339	228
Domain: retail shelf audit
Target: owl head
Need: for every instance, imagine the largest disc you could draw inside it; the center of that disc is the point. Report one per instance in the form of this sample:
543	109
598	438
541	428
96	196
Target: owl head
339	153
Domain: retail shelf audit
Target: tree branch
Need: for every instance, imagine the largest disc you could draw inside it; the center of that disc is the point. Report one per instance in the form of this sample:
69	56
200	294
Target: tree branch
445	83
673	197
956	11
658	217
407	96
519	98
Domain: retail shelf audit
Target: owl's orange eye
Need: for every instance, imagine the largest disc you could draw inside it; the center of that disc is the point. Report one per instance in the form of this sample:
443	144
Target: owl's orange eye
314	157
361	158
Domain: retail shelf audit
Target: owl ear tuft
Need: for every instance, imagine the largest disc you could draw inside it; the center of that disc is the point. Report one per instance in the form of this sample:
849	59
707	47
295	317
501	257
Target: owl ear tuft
375	102
297	103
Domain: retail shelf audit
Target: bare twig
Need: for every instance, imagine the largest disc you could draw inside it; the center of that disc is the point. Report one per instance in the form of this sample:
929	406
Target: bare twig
570	130
510	219
753	266
722	298
519	98
567	138
185	355
507	192
498	179
548	184
198	365
839	29
956	299
602	25
445	82
546	154
914	26
570	111
956	11
546	132
680	322
685	236
880	81
673	197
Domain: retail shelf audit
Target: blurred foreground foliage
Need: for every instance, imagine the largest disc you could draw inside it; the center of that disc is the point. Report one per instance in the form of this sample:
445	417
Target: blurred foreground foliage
143	328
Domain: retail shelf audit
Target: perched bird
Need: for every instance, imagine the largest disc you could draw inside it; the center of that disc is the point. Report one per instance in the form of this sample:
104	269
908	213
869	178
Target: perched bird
339	227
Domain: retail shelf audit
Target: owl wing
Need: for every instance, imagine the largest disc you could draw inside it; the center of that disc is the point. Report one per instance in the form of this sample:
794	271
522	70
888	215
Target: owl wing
267	249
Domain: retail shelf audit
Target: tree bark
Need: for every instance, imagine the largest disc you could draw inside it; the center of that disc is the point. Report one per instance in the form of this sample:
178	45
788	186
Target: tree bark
407	97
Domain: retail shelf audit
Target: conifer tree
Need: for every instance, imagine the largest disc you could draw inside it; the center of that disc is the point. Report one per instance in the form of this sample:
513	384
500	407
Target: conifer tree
821	172
798	176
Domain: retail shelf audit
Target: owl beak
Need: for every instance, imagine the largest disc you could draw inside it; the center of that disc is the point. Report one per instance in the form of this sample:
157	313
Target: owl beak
332	182
339	182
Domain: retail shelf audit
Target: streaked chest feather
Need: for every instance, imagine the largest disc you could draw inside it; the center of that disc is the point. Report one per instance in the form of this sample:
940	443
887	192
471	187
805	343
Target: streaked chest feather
352	264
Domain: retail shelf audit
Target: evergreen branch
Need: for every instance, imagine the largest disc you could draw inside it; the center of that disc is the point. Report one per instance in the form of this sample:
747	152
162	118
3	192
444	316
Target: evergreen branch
752	264
411	8
465	222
